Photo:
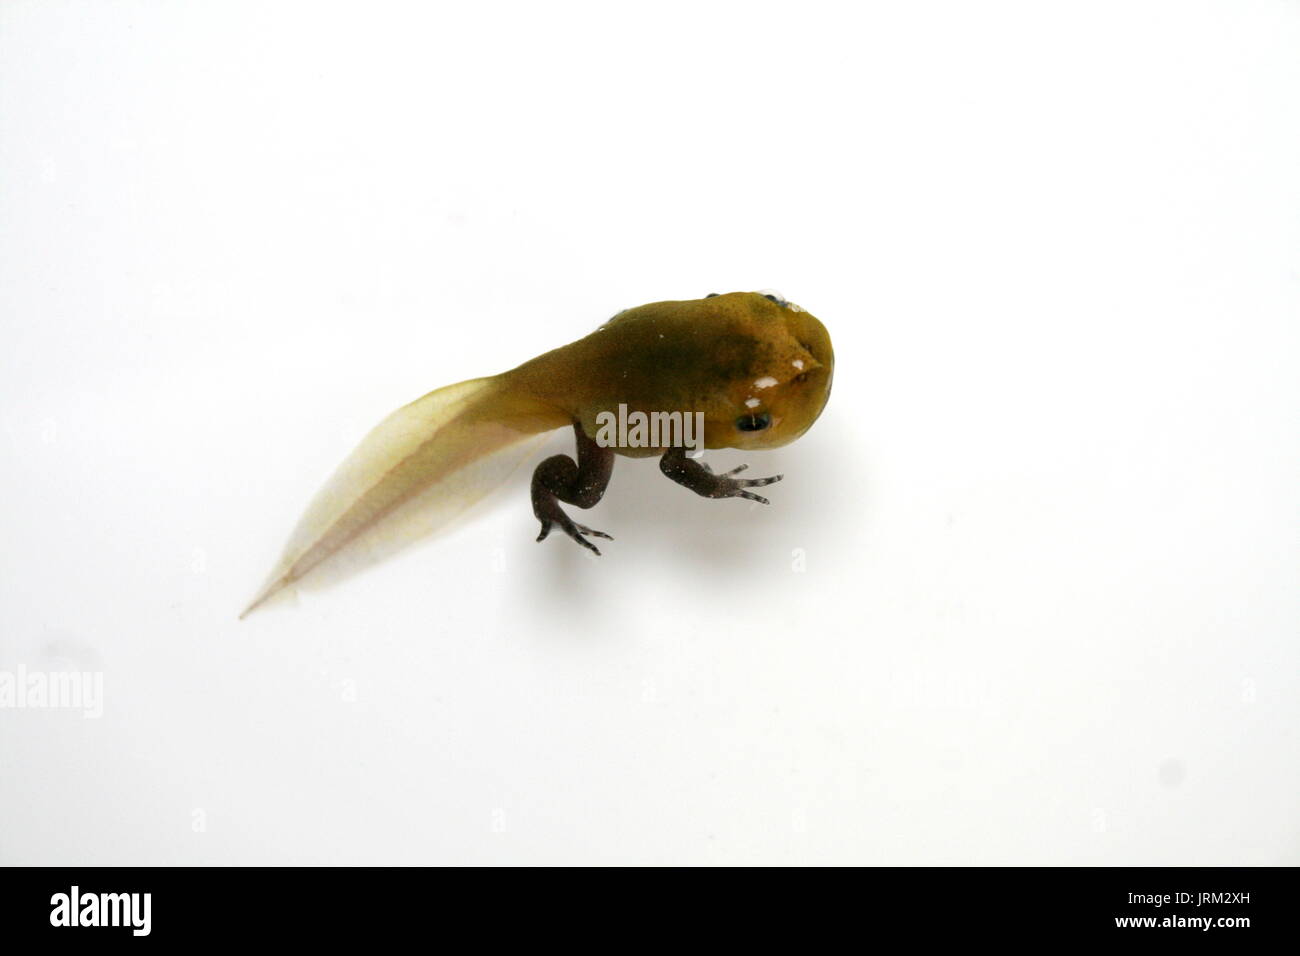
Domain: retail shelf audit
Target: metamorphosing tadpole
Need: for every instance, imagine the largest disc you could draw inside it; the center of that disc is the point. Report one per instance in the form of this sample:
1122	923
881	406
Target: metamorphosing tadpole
747	369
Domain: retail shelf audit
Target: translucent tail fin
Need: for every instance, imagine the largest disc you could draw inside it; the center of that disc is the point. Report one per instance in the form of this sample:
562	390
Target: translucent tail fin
415	471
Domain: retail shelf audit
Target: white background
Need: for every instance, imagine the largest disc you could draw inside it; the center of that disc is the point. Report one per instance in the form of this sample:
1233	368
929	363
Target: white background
1027	594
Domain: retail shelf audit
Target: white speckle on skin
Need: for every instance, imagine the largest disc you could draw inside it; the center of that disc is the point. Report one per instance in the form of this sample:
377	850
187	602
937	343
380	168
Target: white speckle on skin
797	363
766	381
752	403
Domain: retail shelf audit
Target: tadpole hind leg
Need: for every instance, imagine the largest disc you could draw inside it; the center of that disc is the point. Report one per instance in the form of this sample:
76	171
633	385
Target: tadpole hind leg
581	483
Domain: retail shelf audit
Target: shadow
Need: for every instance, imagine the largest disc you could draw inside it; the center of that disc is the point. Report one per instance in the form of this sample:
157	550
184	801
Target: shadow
667	535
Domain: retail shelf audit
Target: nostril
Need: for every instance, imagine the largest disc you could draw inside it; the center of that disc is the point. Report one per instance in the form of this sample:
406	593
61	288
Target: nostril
753	423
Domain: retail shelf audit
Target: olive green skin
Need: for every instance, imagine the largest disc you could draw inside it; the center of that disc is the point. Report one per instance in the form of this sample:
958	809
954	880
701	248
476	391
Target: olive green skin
728	356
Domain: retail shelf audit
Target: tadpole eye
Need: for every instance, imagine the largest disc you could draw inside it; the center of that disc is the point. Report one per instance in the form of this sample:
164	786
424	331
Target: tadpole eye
753	423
